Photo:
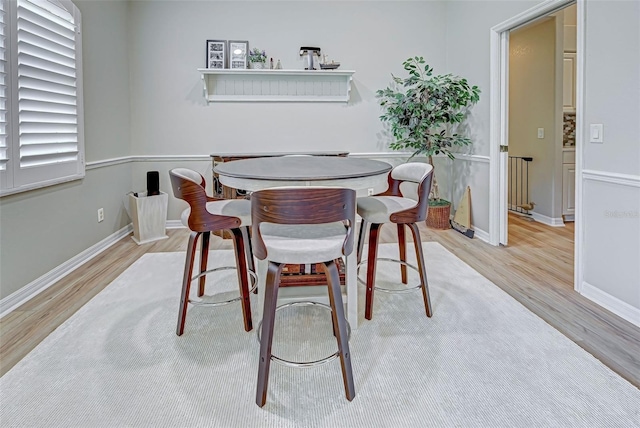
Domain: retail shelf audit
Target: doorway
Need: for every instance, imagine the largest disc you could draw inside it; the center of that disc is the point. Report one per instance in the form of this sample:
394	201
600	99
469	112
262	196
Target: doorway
541	119
556	174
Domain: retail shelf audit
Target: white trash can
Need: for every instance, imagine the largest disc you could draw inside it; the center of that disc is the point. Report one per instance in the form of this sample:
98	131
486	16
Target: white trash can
149	216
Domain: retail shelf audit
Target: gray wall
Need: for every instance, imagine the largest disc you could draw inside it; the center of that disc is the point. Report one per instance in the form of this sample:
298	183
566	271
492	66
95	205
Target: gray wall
613	85
467	48
41	229
611	221
169	114
532	94
612	210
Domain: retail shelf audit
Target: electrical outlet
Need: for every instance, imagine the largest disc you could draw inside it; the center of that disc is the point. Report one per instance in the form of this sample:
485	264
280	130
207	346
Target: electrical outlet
540	133
100	214
369	192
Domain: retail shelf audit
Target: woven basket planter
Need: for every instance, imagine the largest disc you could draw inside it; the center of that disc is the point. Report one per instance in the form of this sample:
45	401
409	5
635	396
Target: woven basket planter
438	217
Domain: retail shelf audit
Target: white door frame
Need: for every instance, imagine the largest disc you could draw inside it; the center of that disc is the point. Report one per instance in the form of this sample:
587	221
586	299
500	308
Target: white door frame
498	130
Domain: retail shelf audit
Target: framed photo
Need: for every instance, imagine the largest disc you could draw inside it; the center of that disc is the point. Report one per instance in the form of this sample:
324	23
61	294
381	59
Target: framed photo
216	54
238	54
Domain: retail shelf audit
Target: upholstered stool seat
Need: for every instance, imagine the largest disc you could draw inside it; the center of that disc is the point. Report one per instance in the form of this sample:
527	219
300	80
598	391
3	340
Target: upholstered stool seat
310	243
406	202
379	209
204	215
295	226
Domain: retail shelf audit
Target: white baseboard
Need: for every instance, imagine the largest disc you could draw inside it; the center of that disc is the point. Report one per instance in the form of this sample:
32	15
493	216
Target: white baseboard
35	287
549	221
613	304
174	224
481	234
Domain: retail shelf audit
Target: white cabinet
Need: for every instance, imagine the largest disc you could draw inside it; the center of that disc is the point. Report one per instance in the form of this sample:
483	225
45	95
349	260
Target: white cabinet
149	217
569	82
568	184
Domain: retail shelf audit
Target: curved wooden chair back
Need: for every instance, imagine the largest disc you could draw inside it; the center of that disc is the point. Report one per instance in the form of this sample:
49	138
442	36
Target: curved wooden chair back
411	180
189	186
302	205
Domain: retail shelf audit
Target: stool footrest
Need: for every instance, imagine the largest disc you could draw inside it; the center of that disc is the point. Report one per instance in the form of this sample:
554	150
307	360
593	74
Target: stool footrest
303	364
390	290
252	274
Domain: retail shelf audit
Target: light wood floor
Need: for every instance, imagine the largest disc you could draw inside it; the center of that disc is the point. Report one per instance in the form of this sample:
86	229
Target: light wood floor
536	269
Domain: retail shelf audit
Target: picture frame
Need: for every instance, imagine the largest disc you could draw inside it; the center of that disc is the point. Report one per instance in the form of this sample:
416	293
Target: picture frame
238	54
216	54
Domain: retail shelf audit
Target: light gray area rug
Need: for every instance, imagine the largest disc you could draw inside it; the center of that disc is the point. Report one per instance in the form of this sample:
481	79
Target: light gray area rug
482	360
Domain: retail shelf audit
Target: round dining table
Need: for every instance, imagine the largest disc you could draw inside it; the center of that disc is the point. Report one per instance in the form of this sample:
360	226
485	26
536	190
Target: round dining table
301	170
365	176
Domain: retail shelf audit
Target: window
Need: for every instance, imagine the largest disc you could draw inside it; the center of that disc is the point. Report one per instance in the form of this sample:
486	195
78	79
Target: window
41	117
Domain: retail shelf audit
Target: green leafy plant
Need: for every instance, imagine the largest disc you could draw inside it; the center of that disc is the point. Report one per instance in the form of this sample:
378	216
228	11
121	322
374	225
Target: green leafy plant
257	55
422	108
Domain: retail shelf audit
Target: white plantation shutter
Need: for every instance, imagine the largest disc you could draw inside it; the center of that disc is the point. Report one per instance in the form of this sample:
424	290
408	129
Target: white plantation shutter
48	129
4	139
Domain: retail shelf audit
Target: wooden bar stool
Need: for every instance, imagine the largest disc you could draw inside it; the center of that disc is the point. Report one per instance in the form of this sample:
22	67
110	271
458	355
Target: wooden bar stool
205	215
300	225
405	203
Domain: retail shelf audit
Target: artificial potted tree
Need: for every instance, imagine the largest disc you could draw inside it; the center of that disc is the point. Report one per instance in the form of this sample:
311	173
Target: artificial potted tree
422	111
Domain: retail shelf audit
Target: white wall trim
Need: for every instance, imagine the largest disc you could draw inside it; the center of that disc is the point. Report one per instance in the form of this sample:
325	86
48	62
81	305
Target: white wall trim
549	221
196	158
394	154
613	304
146	158
578	239
174	224
38	285
536	11
472	158
498	117
611	177
170	158
108	162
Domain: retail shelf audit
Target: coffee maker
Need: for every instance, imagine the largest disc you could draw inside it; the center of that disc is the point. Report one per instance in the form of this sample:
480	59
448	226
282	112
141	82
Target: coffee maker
312	53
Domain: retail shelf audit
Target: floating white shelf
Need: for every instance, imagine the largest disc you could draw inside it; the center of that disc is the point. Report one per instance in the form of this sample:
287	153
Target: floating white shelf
276	85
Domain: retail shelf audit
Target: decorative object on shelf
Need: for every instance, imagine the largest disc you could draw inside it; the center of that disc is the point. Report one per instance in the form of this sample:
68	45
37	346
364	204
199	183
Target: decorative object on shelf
312	53
257	59
238	54
422	110
330	66
326	65
216	54
279	65
271	64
